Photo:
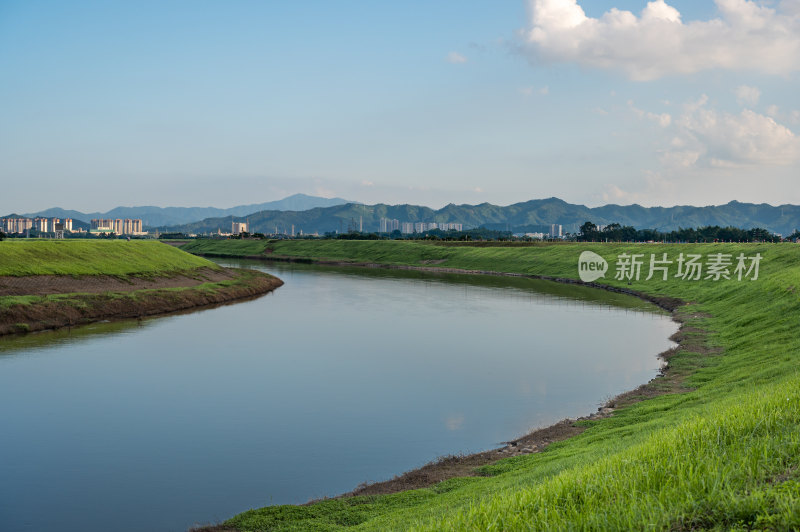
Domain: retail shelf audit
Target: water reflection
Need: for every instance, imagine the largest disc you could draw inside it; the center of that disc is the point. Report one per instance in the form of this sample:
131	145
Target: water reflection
338	377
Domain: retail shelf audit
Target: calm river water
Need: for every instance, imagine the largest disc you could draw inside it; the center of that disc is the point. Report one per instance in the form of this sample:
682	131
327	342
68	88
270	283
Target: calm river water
340	376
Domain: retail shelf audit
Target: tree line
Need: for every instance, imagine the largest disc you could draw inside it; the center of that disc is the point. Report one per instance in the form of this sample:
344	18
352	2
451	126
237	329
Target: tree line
615	232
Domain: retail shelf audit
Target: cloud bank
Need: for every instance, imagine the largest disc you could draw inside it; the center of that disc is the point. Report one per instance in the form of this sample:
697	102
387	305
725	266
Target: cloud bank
657	43
708	137
703	136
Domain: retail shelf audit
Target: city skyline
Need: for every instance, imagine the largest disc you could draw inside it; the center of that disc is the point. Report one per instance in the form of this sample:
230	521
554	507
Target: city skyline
196	104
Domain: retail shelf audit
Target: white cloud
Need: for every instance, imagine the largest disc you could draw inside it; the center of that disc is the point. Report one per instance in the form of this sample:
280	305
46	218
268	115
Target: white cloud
791	6
663	119
455	58
747	95
652	185
657	43
704	136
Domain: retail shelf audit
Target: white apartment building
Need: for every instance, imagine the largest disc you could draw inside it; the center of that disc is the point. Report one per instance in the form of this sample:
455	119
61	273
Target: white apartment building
118	226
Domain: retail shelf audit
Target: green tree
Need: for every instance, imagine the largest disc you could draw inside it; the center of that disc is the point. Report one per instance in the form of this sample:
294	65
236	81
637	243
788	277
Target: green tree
588	228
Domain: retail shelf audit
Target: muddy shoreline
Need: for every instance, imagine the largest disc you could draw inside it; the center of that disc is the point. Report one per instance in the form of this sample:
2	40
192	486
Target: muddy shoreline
65	301
668	381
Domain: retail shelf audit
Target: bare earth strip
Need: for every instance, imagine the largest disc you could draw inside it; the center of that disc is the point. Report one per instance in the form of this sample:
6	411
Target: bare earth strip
63	301
41	285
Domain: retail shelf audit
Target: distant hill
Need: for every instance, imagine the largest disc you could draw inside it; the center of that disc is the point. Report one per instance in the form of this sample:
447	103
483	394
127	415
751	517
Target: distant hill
163	216
529	216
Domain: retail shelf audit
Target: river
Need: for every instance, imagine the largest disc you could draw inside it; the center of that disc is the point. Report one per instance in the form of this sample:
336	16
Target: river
340	376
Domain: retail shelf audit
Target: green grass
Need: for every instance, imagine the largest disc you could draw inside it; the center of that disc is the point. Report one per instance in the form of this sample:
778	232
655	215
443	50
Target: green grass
91	257
725	455
226	248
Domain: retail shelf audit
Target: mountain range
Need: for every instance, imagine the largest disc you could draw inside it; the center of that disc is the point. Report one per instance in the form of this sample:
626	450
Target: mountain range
164	216
312	214
528	216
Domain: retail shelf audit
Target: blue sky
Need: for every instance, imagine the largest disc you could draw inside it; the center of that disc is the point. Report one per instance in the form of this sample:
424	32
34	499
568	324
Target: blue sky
225	103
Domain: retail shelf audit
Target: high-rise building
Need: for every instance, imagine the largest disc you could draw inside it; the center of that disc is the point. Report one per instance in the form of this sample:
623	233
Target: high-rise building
387	225
450	226
555	231
103	224
16	225
118	226
238	228
41	225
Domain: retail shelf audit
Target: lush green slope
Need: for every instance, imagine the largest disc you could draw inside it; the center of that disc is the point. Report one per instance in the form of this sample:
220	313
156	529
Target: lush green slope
724	454
102	280
94	257
226	248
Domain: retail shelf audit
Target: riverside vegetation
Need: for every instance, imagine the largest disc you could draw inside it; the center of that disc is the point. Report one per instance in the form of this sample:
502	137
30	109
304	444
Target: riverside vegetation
713	444
49	284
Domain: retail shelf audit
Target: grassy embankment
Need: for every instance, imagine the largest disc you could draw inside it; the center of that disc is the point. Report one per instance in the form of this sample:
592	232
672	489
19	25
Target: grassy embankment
117	258
720	450
137	263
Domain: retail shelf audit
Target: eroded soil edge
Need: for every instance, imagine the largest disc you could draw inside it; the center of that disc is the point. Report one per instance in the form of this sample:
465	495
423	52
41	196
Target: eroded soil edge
56	301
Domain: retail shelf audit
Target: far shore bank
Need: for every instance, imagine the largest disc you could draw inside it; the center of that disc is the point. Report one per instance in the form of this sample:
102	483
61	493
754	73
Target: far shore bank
666	303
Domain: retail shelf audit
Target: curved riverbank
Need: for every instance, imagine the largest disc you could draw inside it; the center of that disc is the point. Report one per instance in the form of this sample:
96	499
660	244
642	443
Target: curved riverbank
453	466
48	284
35	303
712	444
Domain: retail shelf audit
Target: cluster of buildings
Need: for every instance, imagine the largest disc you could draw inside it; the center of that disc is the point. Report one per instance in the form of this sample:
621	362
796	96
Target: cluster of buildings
58	226
388	225
118	226
556	231
42	225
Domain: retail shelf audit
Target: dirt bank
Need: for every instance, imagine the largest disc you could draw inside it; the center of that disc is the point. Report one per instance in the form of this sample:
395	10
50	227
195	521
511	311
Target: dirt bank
52	302
41	285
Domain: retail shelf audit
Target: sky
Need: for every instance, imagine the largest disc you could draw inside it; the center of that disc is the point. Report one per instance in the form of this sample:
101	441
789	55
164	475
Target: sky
212	103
